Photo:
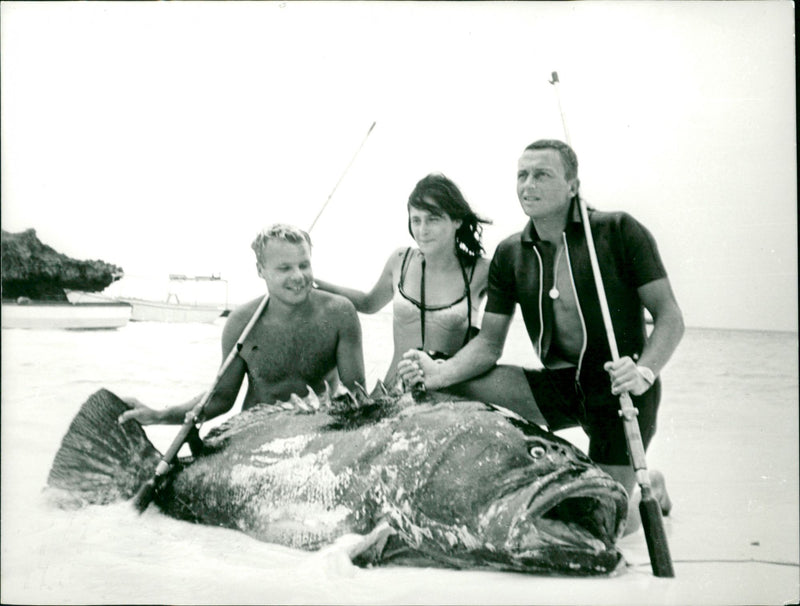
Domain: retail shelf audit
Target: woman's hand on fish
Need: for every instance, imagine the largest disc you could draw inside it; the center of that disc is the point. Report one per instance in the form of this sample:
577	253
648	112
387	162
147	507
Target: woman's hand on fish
418	367
626	377
139	412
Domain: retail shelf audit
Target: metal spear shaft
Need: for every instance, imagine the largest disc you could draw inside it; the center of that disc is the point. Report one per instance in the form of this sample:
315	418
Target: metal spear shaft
347	168
649	508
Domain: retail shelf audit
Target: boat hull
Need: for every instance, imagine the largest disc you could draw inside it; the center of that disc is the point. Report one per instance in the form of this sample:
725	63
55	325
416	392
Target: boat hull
155	311
64	315
151	311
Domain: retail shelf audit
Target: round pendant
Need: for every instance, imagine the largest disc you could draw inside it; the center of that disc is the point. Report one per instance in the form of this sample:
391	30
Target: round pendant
553	293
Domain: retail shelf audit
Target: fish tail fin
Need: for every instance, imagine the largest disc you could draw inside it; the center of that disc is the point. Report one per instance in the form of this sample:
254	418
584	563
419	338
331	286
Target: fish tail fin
101	461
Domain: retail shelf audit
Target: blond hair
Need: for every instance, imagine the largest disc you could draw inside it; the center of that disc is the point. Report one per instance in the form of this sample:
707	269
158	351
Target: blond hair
278	231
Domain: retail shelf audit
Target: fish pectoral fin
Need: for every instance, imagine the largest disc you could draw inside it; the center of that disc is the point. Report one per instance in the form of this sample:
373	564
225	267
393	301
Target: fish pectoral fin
368	548
352	549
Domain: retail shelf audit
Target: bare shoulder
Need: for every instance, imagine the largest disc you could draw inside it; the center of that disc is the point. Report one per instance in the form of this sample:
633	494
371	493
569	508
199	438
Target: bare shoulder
395	259
394	263
332	304
398	254
244	312
239	317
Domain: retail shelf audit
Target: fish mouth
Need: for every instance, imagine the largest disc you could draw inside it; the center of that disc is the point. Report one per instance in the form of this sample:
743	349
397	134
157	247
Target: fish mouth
580	511
592	503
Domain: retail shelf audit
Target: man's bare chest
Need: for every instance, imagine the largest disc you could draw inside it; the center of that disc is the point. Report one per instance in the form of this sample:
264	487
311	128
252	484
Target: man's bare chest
285	349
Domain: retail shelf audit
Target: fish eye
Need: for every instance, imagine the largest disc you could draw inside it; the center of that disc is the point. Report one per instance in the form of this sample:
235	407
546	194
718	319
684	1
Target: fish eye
537	451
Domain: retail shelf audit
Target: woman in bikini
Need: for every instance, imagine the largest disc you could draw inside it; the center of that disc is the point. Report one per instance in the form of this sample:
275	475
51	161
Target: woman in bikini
436	289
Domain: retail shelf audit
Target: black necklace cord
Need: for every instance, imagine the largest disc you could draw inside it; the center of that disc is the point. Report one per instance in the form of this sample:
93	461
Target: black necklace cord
422	302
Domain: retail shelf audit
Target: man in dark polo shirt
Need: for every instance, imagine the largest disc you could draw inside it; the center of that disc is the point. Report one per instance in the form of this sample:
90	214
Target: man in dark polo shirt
546	270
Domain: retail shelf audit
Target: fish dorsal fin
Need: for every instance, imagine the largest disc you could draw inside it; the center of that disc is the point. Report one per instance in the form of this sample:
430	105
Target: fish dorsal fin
351	410
361	393
381	390
339	400
348	408
308	404
301	403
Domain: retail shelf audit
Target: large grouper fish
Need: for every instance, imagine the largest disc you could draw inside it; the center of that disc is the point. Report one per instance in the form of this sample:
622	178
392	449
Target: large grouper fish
441	482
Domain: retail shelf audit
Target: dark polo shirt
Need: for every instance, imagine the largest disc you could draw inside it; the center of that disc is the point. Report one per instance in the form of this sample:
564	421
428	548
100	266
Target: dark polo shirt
521	273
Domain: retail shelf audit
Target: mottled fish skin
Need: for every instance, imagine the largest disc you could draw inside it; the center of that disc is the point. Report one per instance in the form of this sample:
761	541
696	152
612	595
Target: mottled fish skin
460	484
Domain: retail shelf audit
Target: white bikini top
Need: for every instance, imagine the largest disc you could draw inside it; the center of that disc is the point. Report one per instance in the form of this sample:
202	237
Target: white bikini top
449	324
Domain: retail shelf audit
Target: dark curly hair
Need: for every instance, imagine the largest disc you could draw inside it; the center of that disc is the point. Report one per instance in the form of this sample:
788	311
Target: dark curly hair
449	200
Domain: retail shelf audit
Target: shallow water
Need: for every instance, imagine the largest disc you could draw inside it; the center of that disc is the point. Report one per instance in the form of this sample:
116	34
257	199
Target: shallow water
727	443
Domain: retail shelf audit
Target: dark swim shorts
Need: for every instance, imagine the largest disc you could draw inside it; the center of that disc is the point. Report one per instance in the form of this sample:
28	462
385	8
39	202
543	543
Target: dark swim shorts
564	404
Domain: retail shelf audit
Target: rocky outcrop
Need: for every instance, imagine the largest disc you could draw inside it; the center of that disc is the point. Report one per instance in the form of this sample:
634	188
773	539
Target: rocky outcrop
32	269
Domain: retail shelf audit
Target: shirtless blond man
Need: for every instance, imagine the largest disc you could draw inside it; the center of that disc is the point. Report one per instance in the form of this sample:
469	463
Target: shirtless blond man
304	337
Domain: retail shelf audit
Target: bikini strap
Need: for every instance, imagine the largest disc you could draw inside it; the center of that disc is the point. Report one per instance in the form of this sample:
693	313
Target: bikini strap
422	301
469	297
404	267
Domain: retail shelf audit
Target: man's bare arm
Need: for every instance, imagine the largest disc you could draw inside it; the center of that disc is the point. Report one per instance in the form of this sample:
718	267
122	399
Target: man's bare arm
668	324
229	384
349	349
668	329
221	401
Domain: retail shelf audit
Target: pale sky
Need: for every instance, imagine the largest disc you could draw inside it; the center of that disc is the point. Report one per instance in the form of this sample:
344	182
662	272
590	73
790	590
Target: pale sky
162	136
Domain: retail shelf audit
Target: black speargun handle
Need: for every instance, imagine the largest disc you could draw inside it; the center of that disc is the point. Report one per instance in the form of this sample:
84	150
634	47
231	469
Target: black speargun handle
649	507
147	491
656	538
